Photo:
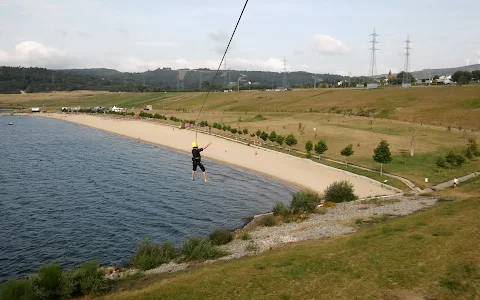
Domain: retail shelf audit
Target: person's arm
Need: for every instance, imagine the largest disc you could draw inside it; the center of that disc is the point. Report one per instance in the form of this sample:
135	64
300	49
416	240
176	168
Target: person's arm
207	146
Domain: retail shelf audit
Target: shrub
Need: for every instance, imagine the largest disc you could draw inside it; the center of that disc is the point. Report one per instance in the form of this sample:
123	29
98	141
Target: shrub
267	220
233	130
47	281
450	158
321	147
305	201
245	131
17	290
309	146
90	278
340	191
258	133
441	163
469	153
150	255
264	135
220	237
280	139
291	140
245	236
281	209
273	136
459	159
200	249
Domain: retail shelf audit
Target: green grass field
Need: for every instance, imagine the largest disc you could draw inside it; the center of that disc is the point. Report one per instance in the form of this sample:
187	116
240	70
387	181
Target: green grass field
431	254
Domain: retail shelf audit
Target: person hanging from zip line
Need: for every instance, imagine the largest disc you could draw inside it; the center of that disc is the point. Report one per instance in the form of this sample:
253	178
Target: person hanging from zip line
197	160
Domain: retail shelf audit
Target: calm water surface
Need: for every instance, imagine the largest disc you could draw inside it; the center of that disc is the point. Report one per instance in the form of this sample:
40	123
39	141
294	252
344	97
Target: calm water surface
73	193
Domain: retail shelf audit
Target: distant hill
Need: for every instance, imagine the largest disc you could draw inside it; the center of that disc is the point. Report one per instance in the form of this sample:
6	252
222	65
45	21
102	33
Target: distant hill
14	79
426	73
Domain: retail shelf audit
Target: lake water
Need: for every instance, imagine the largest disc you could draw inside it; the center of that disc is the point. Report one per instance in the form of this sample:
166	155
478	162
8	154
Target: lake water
72	193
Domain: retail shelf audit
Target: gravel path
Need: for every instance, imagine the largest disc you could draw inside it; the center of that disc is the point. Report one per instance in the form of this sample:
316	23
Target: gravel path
338	220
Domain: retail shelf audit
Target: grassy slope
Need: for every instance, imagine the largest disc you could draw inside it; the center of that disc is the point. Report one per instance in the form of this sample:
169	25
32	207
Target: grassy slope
432	254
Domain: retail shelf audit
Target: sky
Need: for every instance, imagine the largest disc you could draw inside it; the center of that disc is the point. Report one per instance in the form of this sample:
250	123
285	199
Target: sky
319	36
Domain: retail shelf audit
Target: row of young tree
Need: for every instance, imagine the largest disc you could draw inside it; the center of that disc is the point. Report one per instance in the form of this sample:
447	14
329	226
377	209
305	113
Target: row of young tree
453	159
381	155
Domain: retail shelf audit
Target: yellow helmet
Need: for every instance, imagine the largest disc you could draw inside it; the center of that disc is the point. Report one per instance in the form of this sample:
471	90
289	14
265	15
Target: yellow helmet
194	145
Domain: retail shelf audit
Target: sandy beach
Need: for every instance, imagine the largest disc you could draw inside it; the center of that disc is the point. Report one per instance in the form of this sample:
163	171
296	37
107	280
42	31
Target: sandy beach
297	171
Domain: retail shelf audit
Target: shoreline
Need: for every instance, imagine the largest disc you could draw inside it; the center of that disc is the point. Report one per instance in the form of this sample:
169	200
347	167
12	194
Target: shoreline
294	171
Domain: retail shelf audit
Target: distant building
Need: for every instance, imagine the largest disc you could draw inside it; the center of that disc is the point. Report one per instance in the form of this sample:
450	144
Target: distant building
148	107
360	85
118	109
35	109
372	86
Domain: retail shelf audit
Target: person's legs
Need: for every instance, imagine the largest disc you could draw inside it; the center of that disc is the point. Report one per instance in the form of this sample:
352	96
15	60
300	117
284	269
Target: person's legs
203	170
193	171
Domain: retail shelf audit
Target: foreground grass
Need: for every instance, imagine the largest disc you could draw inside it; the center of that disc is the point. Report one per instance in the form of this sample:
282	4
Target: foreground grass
430	254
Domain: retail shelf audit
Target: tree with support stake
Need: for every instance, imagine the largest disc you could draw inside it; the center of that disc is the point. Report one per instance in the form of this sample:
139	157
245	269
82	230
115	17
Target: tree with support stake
347	151
382	155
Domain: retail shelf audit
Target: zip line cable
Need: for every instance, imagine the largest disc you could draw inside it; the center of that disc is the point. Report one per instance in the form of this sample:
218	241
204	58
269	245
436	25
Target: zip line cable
219	66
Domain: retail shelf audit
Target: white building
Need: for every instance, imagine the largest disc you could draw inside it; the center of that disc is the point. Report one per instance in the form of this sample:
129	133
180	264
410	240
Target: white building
118	109
35	109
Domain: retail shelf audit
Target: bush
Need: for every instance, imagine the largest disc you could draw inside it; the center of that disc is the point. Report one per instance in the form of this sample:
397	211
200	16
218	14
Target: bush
273	136
17	290
441	163
47	281
280	139
264	135
469	153
220	237
459	159
200	249
90	278
267	220
245	236
281	209
291	140
305	201
340	191
450	158
150	255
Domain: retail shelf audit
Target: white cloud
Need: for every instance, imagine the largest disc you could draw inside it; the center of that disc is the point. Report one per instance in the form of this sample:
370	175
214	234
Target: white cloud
83	34
326	44
31	53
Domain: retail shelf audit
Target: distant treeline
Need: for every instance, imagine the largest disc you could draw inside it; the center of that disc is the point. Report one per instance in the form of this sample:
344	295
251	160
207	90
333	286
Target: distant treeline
34	80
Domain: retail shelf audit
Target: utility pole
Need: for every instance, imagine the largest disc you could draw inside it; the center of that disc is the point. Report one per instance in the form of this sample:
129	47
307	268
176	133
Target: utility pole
373	58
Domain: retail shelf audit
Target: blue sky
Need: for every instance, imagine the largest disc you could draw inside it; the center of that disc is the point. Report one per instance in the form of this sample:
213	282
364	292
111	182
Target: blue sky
316	36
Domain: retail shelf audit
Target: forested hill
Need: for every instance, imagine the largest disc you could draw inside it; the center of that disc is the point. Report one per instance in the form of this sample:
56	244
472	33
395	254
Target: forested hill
31	80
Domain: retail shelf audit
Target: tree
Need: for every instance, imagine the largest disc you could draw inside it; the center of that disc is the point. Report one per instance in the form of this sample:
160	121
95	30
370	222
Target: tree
436	77
280	139
441	163
321	147
457	76
273	136
258	133
382	155
291	140
264	135
463	80
476	74
450	158
347	151
245	131
309	146
400	77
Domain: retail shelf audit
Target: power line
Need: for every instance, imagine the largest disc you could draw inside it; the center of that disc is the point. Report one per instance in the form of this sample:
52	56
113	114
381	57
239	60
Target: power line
220	65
